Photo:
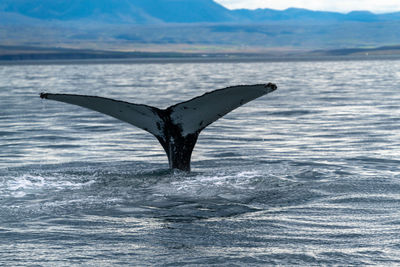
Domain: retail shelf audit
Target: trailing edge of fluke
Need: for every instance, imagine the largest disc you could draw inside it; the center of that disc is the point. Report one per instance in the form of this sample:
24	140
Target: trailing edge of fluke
177	127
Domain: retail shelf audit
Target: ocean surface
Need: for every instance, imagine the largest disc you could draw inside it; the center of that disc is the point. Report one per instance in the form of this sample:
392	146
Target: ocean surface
306	175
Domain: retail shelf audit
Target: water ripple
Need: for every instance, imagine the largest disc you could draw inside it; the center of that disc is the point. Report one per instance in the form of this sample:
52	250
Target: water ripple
308	175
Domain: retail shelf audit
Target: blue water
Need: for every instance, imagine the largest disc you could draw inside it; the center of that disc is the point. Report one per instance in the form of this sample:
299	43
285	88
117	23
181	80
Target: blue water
307	175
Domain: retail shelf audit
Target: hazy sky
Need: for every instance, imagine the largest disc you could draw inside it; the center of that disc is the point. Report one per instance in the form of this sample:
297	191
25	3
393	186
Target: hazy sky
376	6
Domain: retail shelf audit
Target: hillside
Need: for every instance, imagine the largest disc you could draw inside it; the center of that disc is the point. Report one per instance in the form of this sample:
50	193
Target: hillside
187	25
121	11
170	11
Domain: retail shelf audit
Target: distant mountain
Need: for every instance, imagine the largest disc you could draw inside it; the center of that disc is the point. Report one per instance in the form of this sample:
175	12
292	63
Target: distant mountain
304	15
170	11
95	10
121	11
191	25
185	11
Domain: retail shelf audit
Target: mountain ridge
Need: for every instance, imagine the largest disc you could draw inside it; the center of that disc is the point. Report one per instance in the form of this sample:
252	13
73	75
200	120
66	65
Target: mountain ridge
172	11
187	25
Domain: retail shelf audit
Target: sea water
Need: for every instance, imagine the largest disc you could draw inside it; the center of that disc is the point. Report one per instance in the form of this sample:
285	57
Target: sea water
306	175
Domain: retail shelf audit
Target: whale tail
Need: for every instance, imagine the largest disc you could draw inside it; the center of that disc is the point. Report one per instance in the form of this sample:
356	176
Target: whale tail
177	127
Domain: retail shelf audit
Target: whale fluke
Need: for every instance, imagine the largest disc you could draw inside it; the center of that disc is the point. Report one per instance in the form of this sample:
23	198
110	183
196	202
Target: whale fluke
177	127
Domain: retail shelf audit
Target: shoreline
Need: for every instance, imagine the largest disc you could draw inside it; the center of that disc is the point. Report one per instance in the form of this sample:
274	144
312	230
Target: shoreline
14	55
199	59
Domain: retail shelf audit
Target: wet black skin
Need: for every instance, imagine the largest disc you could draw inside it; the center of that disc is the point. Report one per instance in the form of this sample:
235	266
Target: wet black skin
178	148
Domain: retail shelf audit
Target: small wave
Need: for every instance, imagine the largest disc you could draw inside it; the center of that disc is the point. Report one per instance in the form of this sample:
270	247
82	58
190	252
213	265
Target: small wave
375	160
294	113
7	133
60	146
367	199
226	155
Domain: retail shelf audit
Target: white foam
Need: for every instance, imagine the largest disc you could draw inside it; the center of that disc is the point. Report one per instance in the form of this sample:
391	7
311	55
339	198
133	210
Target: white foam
26	182
21	186
225	185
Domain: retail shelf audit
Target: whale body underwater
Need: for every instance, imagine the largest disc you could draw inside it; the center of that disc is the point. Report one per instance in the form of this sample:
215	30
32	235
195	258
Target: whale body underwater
178	126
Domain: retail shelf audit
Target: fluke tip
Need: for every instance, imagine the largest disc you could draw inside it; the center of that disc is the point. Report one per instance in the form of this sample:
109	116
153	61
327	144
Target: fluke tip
43	95
271	86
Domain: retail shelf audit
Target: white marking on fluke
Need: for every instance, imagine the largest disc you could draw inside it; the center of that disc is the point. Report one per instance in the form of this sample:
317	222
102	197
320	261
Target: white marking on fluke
177	127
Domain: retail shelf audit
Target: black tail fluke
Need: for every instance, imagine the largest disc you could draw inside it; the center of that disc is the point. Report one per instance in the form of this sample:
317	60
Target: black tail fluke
177	127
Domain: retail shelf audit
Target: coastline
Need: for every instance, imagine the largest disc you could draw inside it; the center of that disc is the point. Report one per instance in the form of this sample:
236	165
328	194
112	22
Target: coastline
19	55
200	60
